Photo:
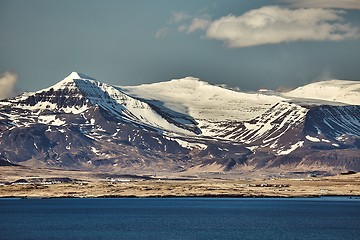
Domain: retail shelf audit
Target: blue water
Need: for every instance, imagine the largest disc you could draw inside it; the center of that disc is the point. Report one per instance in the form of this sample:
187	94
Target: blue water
180	218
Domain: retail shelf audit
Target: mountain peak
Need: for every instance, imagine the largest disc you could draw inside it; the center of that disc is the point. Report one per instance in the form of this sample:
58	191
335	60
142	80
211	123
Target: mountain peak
68	82
189	80
78	75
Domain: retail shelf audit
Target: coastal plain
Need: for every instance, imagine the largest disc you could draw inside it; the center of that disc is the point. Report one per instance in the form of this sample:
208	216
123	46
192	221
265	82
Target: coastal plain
24	182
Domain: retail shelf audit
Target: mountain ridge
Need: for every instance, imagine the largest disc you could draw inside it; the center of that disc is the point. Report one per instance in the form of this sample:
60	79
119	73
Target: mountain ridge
180	125
343	91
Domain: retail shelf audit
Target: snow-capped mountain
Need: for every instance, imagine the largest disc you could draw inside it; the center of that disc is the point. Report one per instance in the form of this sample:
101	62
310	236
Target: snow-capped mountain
341	91
77	93
182	125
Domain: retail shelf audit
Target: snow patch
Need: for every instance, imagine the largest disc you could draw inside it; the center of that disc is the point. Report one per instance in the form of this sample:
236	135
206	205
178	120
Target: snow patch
50	120
312	139
291	149
189	145
94	150
252	148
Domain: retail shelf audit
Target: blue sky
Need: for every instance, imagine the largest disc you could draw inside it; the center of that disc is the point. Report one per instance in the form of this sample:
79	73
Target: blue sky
247	44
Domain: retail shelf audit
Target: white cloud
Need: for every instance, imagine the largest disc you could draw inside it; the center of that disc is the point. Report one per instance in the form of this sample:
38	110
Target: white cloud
273	24
7	84
176	18
179	17
198	24
161	32
183	28
344	4
190	24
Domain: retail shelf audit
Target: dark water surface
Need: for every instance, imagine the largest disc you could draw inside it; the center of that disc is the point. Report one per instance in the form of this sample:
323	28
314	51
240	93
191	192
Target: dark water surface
180	218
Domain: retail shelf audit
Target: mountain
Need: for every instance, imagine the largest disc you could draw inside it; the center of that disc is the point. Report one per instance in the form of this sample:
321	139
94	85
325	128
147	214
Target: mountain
183	125
342	91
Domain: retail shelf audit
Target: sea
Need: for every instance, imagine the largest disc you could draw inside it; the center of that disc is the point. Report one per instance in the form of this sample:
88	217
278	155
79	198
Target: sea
180	218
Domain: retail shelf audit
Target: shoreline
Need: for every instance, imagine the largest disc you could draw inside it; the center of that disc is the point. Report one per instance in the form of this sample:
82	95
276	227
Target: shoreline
208	188
355	197
27	183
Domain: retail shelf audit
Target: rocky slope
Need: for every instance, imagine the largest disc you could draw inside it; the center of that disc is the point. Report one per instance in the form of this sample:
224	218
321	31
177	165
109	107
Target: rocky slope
181	125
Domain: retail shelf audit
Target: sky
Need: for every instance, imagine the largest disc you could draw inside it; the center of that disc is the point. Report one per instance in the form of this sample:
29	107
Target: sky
246	44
